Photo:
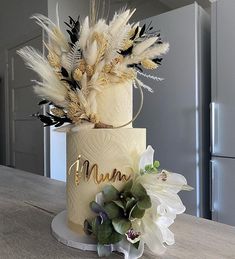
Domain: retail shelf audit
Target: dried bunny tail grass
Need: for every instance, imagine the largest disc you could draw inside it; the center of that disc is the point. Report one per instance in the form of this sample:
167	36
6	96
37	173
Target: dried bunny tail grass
53	31
141	47
155	51
119	21
149	64
51	87
150	53
84	33
91	53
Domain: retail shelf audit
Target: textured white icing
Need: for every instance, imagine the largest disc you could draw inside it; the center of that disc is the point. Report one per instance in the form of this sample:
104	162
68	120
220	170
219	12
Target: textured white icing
110	149
114	104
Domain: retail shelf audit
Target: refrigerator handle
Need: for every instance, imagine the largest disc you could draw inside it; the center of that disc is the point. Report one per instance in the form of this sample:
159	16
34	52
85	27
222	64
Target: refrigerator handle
213	190
213	129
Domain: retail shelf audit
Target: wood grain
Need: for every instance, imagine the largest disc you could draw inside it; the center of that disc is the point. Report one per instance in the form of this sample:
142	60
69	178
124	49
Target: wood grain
28	203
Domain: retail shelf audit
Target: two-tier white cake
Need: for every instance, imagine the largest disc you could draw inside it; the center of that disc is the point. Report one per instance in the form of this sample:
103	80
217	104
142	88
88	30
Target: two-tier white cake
105	156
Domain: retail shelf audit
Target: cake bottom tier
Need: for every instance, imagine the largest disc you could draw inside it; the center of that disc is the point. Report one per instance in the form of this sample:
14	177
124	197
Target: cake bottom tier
95	158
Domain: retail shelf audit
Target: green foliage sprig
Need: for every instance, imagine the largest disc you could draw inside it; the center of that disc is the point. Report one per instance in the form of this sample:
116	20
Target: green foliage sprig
113	220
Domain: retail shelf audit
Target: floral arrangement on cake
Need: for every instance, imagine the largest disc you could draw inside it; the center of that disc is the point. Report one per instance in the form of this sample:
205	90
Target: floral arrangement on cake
98	54
141	213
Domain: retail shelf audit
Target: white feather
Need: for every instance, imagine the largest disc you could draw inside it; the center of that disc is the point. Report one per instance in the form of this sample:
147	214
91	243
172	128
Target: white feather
70	59
84	33
53	31
51	87
91	53
140	83
141	47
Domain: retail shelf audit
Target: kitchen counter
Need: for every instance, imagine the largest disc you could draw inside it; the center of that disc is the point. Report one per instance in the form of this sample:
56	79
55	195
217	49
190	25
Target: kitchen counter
29	202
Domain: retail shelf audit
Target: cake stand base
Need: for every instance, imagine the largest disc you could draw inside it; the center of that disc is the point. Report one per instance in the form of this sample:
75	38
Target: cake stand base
69	238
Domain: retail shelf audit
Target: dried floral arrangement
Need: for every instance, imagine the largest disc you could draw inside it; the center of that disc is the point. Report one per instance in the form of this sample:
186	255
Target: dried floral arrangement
141	213
93	58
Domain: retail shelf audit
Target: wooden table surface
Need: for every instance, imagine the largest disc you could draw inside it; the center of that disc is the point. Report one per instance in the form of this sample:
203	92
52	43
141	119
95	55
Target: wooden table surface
29	202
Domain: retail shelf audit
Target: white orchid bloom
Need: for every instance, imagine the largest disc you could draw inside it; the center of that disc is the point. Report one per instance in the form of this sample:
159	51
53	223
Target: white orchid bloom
146	158
162	189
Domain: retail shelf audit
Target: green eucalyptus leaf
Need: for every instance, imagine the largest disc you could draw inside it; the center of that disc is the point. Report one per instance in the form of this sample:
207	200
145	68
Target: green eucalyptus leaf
113	210
121	225
103	250
104	231
119	204
115	237
95	207
138	190
128	186
144	203
94	224
87	227
130	203
110	193
136	212
126	195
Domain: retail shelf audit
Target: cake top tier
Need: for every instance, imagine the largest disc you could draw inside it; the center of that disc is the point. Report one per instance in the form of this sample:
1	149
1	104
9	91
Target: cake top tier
84	69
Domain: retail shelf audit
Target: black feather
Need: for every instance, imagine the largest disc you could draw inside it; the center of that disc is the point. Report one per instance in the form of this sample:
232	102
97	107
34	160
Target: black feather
126	52
142	31
64	72
157	60
135	33
43	102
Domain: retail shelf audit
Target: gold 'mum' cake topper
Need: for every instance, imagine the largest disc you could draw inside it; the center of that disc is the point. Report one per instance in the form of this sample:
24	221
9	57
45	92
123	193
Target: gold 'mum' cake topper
85	170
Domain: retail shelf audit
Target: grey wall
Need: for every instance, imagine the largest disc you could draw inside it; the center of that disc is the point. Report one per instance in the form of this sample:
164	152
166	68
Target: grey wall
14	24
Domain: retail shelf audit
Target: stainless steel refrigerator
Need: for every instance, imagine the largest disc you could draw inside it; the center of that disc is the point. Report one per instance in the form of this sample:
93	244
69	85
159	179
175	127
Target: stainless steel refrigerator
176	115
223	112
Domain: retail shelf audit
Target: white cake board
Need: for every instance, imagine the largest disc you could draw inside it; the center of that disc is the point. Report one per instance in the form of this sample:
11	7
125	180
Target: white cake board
83	242
69	238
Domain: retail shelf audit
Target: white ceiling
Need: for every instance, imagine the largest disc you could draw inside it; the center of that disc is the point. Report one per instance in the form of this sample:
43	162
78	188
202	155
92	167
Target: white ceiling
169	4
178	3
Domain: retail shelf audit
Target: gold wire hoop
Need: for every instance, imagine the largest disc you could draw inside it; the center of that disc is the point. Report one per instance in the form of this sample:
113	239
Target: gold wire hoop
138	112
